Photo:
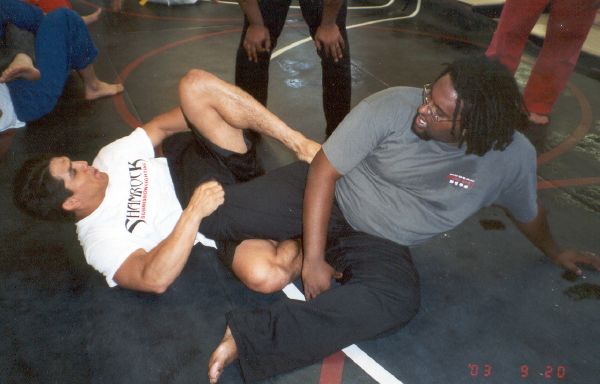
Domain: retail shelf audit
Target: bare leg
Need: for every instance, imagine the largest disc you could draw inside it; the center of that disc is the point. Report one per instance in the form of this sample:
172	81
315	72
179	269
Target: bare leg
20	67
94	88
267	266
224	355
92	17
221	110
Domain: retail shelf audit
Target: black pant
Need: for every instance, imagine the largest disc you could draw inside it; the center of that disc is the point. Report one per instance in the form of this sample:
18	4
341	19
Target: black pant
336	77
378	293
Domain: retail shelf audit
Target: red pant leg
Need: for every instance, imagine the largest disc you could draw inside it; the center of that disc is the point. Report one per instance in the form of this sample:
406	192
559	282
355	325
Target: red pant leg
516	21
51	5
568	26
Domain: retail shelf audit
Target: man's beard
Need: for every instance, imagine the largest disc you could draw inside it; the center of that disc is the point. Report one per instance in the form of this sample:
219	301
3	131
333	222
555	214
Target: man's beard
423	135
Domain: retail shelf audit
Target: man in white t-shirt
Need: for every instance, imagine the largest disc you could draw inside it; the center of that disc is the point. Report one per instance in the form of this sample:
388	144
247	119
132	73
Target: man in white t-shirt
129	221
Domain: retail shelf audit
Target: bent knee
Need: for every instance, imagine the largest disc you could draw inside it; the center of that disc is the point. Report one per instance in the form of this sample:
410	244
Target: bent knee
196	80
264	278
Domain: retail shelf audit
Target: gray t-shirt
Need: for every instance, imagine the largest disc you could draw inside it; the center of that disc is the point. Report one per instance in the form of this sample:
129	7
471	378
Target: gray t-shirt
405	189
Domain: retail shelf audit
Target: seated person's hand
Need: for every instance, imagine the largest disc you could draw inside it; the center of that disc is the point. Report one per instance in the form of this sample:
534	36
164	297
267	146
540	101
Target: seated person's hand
316	277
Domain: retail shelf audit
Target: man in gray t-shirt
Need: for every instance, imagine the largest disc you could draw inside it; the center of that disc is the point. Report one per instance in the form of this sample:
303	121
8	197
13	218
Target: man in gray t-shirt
404	165
421	188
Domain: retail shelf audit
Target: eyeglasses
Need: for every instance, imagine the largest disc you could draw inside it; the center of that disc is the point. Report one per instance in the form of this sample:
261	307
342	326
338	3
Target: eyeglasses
431	108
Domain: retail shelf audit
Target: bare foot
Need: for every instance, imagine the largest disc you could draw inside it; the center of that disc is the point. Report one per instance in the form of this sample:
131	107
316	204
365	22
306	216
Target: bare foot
100	89
307	149
224	355
20	67
92	17
538	119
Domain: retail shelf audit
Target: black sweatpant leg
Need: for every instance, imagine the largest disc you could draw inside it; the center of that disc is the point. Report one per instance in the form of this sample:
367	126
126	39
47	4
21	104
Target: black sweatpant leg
381	295
336	77
267	207
254	77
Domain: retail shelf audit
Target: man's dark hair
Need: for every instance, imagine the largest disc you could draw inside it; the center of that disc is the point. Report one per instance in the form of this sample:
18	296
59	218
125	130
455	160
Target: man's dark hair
489	103
39	193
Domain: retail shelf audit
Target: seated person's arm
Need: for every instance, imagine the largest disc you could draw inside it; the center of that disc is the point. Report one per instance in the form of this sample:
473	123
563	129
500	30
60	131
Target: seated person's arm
318	200
538	232
156	270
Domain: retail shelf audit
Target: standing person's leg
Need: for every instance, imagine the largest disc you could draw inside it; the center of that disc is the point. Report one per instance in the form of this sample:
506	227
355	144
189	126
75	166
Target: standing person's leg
254	77
336	77
380	295
568	27
62	43
516	21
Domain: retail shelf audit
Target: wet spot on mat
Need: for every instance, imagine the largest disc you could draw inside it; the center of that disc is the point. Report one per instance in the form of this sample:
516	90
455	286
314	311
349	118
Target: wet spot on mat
583	291
492	225
295	83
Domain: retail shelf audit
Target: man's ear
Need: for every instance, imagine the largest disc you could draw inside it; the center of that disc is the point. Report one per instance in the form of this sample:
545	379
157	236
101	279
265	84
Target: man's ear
71	204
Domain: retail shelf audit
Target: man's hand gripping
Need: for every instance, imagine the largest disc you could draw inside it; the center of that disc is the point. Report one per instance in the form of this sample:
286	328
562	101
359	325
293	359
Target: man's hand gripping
206	199
316	277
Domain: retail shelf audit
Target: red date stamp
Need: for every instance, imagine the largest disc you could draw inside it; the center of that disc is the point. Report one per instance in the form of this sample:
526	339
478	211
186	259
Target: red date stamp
548	372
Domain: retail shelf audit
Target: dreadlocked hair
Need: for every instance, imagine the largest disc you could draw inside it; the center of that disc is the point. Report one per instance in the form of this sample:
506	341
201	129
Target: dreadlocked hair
40	194
489	104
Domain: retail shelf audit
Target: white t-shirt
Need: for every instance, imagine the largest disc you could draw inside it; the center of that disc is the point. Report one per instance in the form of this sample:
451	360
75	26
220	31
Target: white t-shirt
8	117
139	209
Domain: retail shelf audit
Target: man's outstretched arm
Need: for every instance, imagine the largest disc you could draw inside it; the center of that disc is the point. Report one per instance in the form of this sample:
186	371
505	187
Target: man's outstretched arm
538	232
156	270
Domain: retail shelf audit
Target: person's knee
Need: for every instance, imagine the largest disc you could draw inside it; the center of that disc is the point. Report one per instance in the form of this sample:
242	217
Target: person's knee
196	81
265	278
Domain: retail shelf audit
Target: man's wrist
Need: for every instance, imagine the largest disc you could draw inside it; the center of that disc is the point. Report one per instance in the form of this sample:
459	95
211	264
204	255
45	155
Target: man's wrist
190	214
313	258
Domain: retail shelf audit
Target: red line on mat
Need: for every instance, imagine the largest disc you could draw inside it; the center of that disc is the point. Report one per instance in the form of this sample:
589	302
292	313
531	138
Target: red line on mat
332	369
